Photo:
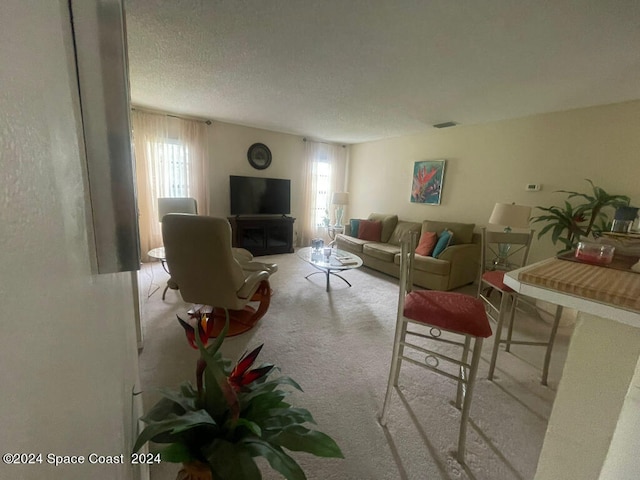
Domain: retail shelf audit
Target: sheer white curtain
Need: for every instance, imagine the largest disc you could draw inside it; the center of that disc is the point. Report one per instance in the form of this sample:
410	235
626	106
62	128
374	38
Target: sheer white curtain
325	173
171	161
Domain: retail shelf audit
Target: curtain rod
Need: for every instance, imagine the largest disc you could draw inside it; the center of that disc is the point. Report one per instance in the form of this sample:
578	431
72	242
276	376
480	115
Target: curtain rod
173	115
305	139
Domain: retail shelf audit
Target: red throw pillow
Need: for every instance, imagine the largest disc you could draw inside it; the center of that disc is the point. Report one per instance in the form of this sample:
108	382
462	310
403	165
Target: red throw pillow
370	230
427	243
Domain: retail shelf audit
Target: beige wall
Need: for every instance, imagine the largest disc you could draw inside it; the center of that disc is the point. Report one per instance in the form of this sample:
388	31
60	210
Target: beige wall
492	163
228	145
68	359
622	461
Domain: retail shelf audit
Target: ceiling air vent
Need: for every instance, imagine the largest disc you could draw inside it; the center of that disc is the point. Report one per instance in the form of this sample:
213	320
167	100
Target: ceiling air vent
445	125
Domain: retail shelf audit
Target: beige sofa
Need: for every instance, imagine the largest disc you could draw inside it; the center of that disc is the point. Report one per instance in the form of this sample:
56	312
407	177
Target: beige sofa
456	266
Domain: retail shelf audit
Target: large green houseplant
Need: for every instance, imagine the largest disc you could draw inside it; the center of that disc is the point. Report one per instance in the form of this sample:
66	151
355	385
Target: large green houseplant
570	223
232	416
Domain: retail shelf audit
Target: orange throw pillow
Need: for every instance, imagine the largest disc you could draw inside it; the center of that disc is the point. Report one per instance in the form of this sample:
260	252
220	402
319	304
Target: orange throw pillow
370	230
427	243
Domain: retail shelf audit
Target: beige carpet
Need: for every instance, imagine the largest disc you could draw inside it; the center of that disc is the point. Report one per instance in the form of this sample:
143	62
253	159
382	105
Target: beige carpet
337	345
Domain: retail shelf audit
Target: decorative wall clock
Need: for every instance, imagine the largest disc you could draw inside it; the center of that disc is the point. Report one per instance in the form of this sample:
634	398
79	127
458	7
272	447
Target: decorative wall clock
259	156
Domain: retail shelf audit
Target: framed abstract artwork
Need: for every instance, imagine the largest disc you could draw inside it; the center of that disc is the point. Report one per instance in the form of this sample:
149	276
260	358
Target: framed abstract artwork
428	177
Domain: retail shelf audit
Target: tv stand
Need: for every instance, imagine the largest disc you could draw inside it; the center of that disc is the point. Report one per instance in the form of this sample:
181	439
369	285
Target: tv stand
263	235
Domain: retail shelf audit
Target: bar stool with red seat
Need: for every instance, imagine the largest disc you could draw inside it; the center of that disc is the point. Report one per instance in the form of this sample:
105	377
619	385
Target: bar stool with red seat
452	312
492	281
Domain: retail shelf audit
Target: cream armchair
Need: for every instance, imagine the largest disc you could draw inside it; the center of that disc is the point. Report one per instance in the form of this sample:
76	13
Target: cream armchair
246	261
167	205
202	262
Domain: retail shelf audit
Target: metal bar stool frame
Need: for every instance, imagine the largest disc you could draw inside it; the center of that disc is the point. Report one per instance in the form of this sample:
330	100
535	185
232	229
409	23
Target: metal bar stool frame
467	371
509	299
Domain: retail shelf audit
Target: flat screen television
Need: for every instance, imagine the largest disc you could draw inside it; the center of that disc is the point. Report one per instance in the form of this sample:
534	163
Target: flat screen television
259	196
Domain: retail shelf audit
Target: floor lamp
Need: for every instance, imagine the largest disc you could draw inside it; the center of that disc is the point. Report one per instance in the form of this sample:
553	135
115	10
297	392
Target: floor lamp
340	199
508	215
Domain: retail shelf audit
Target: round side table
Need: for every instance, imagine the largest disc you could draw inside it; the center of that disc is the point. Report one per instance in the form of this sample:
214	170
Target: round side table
158	254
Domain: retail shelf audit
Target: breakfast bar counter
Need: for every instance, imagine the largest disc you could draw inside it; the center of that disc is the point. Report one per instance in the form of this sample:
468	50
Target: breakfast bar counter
606	292
594	427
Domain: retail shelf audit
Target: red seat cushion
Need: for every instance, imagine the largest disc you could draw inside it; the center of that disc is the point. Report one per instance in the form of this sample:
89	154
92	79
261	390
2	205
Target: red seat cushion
495	278
449	310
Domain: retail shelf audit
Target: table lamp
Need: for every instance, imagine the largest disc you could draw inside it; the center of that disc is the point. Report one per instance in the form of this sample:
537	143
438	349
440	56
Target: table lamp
508	215
340	199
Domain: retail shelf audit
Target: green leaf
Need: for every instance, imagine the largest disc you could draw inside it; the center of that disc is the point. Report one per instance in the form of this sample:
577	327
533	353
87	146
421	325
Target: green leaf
249	425
301	439
187	403
299	415
271	385
280	418
173	424
288	381
176	453
231	461
265	402
544	230
161	410
188	391
213	362
279	461
214	400
219	396
215	346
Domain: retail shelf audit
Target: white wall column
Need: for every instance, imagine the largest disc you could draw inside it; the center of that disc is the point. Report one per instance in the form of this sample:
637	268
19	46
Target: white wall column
598	372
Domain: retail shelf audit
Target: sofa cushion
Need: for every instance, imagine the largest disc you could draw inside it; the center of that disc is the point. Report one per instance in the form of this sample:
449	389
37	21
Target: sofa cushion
354	223
370	230
382	251
428	264
462	232
402	228
389	222
444	239
351	244
427	243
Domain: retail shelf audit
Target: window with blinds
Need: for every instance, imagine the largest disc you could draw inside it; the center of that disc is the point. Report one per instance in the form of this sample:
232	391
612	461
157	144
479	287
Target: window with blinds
171	167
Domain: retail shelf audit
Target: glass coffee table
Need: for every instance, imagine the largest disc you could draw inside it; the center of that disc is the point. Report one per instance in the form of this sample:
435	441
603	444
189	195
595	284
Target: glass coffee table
337	261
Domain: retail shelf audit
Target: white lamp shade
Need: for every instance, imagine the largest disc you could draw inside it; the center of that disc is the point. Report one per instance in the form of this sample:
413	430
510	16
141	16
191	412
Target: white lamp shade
510	215
340	198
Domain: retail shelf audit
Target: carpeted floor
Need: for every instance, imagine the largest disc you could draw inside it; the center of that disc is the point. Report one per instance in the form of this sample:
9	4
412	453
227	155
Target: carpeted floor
337	345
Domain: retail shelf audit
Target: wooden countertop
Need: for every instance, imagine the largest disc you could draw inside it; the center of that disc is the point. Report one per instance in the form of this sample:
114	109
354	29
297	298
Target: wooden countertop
606	285
605	292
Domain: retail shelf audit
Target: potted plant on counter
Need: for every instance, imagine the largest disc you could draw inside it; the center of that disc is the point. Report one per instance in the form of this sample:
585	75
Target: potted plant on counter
569	223
232	416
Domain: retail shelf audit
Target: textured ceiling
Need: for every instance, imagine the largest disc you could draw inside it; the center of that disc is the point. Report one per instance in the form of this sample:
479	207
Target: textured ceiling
357	70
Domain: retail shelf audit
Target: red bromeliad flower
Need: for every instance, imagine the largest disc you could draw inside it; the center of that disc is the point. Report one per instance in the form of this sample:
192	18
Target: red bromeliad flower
420	181
240	376
205	327
424	177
